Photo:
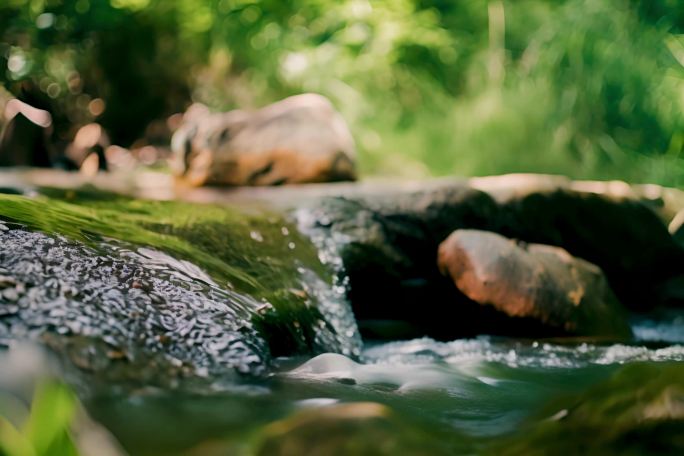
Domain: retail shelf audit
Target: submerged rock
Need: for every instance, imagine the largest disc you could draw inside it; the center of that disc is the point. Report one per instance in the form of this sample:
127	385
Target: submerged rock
540	282
363	428
299	139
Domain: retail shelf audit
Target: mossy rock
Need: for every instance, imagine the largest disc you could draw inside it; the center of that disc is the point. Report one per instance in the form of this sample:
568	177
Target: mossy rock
360	428
639	410
201	286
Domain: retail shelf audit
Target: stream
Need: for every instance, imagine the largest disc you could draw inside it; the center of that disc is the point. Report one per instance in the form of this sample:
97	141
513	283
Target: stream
182	336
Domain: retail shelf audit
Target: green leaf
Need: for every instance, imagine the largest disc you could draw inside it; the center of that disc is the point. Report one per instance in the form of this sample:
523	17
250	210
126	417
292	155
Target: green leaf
12	442
51	414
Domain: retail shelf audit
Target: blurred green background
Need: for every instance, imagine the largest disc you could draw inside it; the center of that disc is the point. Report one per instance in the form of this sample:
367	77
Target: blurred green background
586	88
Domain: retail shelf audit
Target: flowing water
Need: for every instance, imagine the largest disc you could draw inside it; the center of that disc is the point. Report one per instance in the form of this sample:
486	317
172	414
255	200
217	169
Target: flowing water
154	307
480	388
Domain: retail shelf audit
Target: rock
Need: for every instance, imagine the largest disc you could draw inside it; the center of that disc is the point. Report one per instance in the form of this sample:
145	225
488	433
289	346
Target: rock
137	290
621	234
382	239
387	245
24	138
387	242
364	428
676	227
664	201
87	149
672	201
508	186
639	410
299	139
534	281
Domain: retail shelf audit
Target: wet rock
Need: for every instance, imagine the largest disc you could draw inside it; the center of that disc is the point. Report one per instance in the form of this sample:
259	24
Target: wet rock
299	139
170	300
80	293
639	410
364	428
664	201
386	246
539	282
672	201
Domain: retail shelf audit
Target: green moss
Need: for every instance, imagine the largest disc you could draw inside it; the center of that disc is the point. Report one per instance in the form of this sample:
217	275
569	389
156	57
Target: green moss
254	252
639	410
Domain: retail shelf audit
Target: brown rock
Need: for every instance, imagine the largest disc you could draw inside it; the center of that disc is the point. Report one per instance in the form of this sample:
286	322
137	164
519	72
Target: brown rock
24	138
615	226
676	227
299	139
535	281
666	202
388	244
86	151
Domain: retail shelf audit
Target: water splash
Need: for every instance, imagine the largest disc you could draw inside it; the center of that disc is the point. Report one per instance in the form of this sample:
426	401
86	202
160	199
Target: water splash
425	364
512	353
333	299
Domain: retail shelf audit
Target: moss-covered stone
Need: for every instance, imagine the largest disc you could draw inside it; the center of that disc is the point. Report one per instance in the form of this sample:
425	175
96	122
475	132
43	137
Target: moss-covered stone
361	428
640	410
175	263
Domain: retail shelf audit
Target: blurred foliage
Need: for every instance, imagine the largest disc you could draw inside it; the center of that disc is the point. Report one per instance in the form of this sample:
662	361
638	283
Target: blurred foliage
46	431
588	88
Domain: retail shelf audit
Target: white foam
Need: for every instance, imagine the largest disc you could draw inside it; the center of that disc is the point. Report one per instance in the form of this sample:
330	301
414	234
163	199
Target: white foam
334	367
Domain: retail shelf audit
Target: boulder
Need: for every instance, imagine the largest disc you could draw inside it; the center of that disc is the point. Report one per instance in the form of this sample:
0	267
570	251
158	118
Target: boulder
386	243
299	139
87	149
150	291
534	281
618	231
664	201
